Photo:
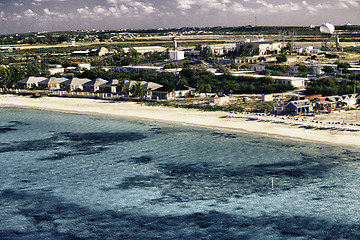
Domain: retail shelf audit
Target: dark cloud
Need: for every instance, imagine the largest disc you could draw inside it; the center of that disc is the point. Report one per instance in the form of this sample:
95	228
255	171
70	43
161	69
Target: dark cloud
50	15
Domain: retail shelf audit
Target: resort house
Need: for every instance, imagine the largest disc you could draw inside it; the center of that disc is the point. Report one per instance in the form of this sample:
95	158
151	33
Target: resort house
299	107
181	92
52	83
94	85
219	100
76	84
30	82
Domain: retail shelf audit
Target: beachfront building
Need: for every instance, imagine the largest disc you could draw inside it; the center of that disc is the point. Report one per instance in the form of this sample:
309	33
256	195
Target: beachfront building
349	100
148	87
110	86
94	85
219	100
30	82
181	92
52	83
76	84
299	107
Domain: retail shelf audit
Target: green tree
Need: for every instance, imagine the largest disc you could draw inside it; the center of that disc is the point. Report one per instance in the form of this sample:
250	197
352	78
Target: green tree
281	58
137	90
328	69
265	72
234	66
303	68
206	53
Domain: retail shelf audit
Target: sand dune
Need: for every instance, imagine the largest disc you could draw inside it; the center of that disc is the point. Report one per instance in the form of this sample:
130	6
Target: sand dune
216	120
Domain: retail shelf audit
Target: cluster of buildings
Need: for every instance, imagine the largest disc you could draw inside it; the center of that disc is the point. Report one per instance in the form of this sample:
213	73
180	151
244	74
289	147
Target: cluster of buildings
320	104
151	90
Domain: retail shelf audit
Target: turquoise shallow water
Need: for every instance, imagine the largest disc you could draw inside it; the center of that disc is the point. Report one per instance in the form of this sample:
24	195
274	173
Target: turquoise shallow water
68	176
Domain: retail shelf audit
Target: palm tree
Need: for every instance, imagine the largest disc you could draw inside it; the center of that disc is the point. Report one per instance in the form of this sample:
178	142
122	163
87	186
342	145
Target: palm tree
137	90
121	87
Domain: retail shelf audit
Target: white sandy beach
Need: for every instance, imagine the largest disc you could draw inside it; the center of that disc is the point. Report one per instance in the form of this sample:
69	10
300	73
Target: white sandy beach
183	116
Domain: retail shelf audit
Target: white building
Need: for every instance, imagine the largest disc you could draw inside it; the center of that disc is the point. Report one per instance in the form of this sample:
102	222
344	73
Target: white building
52	83
150	69
29	82
354	69
297	82
146	49
222	49
94	85
76	84
260	48
176	55
85	65
256	67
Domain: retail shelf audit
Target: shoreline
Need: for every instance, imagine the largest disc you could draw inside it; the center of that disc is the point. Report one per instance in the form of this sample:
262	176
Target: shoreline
186	117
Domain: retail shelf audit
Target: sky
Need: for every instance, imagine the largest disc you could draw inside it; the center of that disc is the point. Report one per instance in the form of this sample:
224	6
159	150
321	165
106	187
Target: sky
22	16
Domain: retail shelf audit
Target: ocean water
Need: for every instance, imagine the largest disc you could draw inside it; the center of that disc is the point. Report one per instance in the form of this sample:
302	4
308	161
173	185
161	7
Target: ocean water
69	176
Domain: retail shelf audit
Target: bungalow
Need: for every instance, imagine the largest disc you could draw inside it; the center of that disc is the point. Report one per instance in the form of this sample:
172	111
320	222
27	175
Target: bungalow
29	82
181	92
76	84
299	107
349	100
110	86
149	87
52	83
219	100
94	85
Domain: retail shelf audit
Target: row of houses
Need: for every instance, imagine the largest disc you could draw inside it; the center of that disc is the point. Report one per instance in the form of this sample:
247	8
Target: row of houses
322	104
152	90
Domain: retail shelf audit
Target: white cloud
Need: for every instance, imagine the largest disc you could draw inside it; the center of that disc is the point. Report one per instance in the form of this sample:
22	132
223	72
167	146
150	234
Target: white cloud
2	16
30	13
18	4
131	8
352	3
48	12
185	4
238	7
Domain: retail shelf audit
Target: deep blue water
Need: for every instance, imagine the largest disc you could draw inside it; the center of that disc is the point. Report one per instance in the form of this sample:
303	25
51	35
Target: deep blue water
68	176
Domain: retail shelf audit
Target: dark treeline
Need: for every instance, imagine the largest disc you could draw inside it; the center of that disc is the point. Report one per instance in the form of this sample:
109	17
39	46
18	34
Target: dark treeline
331	87
10	75
204	81
201	79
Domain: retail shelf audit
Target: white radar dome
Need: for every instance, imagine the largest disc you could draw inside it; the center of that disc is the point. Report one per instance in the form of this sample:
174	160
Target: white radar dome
327	28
